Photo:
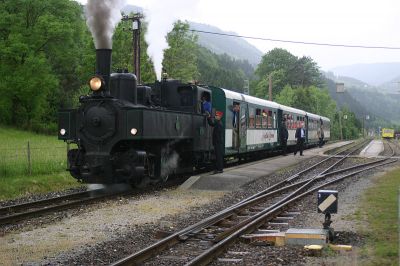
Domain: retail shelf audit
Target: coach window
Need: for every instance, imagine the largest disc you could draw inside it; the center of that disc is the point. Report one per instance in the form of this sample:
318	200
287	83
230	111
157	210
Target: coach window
274	119
269	119
286	120
251	117
258	118
264	118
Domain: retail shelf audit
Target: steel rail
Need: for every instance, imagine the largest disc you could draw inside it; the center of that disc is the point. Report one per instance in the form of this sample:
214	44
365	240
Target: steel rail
54	206
171	240
27	205
260	218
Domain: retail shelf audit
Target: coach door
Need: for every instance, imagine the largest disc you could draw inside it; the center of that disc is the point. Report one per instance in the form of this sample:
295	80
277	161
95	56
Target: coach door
243	127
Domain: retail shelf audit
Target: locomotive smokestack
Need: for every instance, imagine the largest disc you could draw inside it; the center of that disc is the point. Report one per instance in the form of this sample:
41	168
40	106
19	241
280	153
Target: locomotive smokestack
103	65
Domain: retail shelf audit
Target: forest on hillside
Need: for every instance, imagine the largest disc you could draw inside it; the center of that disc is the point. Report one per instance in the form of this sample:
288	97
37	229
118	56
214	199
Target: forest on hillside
47	55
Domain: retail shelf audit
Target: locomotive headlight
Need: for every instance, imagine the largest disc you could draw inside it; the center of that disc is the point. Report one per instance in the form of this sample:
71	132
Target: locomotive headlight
63	131
95	83
133	131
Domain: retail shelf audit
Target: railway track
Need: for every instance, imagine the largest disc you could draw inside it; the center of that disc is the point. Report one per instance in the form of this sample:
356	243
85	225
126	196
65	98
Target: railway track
202	242
19	212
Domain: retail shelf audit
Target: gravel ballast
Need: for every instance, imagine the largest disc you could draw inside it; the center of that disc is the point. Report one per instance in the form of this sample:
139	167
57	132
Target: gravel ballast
113	229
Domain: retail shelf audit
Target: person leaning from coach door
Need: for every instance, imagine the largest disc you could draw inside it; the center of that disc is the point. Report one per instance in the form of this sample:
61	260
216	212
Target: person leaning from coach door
301	137
217	138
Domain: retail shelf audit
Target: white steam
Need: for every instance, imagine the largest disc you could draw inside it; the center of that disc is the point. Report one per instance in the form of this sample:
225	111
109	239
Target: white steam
169	163
102	17
161	16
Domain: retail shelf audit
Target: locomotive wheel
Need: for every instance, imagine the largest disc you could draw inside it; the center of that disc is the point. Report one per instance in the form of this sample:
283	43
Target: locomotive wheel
141	182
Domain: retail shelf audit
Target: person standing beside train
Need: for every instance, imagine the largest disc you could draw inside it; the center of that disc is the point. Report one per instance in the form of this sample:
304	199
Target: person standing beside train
217	139
300	137
284	134
320	134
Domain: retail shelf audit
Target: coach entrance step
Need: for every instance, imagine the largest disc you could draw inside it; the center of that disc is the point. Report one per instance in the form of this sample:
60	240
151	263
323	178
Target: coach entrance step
234	177
373	149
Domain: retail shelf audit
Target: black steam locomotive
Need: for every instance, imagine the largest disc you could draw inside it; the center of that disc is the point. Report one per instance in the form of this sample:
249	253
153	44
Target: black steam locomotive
135	134
130	133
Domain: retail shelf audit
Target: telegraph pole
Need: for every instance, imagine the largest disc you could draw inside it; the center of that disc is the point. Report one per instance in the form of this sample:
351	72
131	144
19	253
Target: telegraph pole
340	125
136	27
270	87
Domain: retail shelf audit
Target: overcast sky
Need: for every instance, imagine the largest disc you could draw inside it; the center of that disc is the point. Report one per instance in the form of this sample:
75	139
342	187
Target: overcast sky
349	22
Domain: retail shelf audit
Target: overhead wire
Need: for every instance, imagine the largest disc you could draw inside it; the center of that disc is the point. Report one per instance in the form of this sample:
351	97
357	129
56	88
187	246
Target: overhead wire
297	42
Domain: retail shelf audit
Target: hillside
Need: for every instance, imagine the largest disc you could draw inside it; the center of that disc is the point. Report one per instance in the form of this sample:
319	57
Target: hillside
237	48
348	81
345	99
383	106
373	74
366	100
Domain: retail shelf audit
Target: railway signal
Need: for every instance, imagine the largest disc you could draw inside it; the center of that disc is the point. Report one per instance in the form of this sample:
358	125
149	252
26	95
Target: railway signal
327	204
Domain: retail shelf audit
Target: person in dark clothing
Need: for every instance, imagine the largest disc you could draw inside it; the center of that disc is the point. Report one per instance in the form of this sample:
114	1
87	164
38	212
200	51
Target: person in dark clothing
284	134
320	134
301	137
217	138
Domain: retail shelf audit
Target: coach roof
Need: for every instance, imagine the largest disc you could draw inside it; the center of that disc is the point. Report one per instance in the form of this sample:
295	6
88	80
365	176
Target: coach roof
249	99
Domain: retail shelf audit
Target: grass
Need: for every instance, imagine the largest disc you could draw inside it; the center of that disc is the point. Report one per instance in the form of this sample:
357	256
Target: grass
380	205
47	164
19	186
47	154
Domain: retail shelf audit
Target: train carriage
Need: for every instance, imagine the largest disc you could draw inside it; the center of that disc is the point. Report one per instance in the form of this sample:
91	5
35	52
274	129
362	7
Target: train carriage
251	127
387	133
312	125
326	126
293	118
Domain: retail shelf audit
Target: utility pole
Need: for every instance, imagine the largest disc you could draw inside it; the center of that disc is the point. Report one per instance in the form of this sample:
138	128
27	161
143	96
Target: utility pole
340	125
136	26
270	87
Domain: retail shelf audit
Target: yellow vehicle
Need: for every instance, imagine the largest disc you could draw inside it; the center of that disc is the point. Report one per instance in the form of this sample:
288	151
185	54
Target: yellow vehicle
387	133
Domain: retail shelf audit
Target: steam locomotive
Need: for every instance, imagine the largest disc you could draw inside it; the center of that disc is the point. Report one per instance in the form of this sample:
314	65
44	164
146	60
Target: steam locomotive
140	134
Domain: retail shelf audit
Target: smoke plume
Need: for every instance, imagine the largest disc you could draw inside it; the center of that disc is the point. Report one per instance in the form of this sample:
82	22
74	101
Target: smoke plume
102	17
161	15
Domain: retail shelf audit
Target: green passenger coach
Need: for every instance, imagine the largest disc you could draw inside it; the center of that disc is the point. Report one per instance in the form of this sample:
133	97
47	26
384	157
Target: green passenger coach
252	124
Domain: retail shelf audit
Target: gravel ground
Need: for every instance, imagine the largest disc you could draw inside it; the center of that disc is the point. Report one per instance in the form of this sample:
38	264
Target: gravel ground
108	231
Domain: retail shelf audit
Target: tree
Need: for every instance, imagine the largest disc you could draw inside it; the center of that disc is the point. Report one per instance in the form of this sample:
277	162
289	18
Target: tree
123	51
286	69
180	59
278	83
305	73
40	58
276	59
222	70
286	96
